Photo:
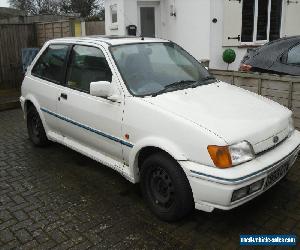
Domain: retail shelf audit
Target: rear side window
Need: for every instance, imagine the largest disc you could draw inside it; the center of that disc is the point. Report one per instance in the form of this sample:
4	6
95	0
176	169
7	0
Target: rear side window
293	56
51	64
87	64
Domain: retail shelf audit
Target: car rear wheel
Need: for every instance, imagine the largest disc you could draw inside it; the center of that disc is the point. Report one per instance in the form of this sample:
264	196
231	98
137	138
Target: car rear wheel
35	128
166	188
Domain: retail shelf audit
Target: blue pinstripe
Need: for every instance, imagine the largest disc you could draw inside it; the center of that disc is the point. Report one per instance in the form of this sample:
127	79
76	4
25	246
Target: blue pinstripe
87	128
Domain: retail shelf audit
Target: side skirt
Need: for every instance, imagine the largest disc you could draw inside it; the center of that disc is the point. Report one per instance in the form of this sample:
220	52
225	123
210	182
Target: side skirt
93	154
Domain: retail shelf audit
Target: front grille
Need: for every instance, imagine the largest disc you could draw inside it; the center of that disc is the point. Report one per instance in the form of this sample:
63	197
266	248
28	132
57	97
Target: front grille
269	149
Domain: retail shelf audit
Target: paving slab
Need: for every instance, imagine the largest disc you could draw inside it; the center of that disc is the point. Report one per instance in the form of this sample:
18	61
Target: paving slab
55	198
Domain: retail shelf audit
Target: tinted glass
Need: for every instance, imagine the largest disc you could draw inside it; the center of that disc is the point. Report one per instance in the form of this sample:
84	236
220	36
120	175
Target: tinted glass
87	64
275	19
148	68
293	56
262	20
51	64
248	20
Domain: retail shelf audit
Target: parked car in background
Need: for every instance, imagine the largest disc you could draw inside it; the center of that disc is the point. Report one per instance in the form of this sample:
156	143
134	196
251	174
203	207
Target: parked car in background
277	57
148	109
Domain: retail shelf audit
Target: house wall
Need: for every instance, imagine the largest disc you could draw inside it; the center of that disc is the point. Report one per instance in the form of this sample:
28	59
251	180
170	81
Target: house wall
216	38
178	29
118	28
191	26
193	29
290	17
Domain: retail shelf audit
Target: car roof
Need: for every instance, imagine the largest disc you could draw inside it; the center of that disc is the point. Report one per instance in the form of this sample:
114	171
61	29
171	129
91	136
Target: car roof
282	40
265	56
110	40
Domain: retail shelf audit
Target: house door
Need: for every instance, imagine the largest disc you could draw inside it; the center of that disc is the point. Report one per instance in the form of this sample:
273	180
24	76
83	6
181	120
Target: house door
147	21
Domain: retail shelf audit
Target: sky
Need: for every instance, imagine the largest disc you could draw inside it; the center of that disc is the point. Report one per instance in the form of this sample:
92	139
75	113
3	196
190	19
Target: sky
4	3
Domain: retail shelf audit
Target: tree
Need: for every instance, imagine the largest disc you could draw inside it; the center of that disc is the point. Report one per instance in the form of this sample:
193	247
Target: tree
25	5
85	8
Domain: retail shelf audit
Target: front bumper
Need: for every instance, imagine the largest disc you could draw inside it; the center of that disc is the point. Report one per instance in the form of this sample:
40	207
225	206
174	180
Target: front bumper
213	187
22	102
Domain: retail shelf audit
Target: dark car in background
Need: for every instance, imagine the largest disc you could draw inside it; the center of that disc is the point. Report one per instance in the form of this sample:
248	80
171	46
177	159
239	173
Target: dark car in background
277	57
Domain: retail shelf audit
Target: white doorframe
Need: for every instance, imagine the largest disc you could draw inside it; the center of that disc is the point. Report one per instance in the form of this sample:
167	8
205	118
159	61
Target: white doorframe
156	5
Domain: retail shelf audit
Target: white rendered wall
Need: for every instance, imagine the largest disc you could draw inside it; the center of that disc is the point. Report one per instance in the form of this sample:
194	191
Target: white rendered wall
191	26
216	37
119	27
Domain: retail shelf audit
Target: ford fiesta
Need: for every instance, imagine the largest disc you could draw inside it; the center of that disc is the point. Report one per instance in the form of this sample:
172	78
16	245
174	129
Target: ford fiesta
149	110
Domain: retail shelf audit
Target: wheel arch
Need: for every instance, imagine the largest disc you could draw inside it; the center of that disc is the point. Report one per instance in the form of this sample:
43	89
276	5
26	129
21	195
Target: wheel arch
30	101
141	151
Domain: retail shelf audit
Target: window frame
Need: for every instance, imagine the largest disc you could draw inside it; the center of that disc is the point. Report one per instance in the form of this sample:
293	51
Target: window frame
69	62
254	37
111	13
62	83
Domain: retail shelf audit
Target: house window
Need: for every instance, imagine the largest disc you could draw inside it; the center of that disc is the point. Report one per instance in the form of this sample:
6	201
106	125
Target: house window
114	13
261	20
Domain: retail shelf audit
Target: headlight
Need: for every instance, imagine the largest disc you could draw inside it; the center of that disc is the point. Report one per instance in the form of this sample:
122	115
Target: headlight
228	156
291	126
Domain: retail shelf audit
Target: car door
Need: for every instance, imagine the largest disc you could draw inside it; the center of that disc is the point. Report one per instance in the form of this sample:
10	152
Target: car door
47	77
90	121
289	63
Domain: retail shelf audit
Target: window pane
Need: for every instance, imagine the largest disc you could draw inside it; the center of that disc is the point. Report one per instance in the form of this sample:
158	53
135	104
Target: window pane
87	65
50	65
150	67
248	20
114	13
262	20
275	19
294	55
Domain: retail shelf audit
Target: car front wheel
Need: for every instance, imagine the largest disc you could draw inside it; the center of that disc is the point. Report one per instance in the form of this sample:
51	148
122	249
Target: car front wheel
166	188
35	128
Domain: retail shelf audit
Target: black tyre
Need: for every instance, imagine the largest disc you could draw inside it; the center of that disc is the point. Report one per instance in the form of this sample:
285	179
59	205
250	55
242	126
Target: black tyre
35	128
166	188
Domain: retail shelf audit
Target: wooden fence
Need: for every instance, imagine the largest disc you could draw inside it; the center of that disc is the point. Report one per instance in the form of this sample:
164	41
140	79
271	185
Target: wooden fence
282	89
51	30
14	37
95	28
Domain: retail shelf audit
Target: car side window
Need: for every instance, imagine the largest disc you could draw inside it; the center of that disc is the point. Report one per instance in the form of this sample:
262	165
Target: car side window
87	64
293	56
51	64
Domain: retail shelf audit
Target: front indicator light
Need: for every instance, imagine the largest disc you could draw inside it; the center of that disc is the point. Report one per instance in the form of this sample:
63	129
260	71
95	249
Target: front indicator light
220	156
232	155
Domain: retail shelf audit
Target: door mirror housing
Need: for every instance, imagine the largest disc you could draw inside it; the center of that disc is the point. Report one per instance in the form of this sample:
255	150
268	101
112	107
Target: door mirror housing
104	89
101	89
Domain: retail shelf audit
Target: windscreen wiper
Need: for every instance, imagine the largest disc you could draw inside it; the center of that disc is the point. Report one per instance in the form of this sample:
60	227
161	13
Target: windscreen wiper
208	78
174	86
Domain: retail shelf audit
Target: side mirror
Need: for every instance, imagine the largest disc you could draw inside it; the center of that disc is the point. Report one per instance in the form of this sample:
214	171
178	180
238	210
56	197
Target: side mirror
101	89
104	89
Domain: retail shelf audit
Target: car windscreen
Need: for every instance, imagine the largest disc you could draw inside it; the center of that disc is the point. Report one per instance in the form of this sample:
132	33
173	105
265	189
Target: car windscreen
154	68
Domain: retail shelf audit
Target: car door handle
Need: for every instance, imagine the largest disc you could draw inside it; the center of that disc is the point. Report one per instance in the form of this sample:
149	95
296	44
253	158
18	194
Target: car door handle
64	96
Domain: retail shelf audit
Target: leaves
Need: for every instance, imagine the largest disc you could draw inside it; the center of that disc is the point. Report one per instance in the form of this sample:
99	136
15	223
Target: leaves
85	8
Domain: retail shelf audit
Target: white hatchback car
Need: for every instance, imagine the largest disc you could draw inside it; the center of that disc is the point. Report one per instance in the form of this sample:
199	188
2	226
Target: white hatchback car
146	108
